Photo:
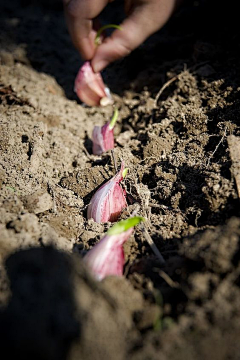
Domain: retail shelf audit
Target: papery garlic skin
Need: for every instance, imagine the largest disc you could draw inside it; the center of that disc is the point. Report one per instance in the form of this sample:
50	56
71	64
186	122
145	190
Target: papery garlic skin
90	87
103	139
109	200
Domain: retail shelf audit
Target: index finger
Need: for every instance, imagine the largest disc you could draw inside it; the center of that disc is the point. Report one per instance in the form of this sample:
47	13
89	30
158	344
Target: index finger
79	16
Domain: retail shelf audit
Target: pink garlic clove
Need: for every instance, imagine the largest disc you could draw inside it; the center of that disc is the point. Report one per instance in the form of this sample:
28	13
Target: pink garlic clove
108	201
102	136
107	257
103	139
90	88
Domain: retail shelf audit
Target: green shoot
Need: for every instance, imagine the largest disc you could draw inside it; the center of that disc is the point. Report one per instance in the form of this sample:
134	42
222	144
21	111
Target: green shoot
98	38
114	119
124	173
124	225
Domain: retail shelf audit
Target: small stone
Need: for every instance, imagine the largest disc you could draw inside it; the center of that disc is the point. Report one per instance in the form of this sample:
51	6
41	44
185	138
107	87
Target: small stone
216	187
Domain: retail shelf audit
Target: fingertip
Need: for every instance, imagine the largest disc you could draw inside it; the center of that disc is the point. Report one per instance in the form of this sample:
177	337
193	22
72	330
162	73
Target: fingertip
99	64
108	52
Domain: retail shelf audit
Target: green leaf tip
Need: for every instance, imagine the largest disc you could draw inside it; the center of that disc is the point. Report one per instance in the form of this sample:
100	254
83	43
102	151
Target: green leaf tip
124	173
97	40
114	119
124	225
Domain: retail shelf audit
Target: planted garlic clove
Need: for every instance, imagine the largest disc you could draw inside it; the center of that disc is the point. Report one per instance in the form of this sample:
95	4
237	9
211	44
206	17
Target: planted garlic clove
90	87
103	139
109	200
102	136
107	257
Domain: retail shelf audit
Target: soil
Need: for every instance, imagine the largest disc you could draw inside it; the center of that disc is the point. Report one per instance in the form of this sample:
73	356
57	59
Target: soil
178	97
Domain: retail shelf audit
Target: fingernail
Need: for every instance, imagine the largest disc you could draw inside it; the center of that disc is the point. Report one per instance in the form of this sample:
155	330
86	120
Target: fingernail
99	65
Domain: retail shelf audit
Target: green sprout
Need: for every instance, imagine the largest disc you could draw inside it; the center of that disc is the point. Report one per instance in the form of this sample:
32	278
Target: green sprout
124	225
98	39
124	173
114	119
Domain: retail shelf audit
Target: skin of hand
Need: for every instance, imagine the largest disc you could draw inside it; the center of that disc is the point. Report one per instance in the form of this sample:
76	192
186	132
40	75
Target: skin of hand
144	17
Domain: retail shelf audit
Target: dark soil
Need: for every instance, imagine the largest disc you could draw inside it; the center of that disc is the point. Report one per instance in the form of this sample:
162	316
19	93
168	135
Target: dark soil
176	146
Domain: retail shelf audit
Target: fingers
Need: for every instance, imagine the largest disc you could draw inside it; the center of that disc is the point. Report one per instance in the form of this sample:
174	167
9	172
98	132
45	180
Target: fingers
147	16
79	16
144	20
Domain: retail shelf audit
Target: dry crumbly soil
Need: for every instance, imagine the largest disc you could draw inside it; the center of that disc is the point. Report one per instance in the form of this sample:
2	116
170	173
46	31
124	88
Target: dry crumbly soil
180	145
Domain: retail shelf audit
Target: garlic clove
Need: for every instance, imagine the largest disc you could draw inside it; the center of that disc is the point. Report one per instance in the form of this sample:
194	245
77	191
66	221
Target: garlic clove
107	257
90	87
108	201
103	139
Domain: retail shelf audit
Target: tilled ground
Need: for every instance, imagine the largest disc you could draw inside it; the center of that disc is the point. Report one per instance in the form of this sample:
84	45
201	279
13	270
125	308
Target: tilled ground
178	133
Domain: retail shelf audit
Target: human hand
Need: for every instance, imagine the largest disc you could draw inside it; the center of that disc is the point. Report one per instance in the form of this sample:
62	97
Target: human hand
144	17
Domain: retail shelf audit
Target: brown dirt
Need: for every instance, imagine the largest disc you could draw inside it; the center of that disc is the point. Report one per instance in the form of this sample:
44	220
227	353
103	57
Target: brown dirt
181	172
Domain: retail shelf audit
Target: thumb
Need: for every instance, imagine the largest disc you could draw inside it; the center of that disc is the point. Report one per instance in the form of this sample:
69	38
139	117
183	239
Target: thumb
143	21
